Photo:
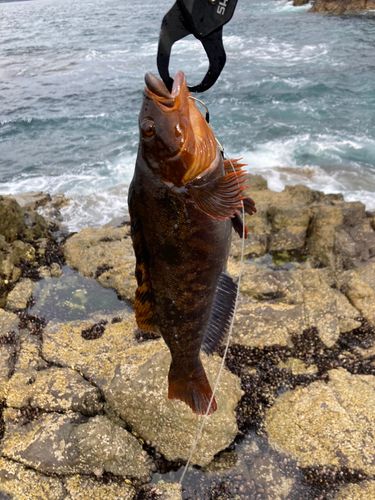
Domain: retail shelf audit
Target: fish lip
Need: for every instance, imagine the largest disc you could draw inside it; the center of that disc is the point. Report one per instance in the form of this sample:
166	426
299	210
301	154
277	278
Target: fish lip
179	83
156	86
157	90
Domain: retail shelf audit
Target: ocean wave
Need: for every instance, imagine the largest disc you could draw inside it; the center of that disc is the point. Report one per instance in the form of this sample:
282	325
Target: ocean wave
284	162
95	209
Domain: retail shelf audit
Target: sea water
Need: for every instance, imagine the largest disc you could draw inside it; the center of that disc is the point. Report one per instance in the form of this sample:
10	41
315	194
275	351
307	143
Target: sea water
296	98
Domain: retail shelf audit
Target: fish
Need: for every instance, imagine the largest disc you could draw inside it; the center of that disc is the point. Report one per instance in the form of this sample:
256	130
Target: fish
184	200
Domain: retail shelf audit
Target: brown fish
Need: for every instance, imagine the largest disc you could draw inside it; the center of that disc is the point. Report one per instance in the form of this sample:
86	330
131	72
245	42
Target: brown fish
183	202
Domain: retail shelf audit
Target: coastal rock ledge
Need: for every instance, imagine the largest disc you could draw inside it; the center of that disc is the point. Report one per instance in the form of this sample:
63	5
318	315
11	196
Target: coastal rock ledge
84	413
339	7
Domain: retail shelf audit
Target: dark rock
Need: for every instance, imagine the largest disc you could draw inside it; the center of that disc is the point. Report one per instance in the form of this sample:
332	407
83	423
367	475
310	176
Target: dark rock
257	183
12	220
73	444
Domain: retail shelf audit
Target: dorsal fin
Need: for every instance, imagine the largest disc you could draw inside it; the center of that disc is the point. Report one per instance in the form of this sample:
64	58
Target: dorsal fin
144	297
248	203
221	314
220	198
237	166
249	206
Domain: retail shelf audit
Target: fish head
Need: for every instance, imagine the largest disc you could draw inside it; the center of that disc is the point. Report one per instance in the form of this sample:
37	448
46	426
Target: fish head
175	139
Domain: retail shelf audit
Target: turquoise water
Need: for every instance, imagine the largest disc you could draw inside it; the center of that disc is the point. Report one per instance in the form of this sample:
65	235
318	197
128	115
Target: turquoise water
296	98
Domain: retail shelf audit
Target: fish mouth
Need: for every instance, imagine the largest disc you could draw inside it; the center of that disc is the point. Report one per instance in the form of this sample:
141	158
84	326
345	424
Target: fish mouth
159	92
198	147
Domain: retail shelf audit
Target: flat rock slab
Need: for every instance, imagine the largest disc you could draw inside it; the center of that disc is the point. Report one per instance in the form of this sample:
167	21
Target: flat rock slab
96	358
278	304
359	286
327	423
106	254
73	444
85	488
54	389
19	483
261	324
139	394
8	322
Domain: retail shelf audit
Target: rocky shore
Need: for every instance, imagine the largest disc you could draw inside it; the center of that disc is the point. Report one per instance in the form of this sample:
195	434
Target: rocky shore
84	412
337	7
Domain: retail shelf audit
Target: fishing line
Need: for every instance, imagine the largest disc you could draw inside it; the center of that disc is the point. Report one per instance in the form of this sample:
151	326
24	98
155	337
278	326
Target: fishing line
205	107
230	329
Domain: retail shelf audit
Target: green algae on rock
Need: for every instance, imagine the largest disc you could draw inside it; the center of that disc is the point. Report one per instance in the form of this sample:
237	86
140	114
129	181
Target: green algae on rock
327	423
139	394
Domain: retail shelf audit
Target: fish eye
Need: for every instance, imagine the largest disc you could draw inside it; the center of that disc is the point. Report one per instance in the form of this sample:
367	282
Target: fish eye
148	127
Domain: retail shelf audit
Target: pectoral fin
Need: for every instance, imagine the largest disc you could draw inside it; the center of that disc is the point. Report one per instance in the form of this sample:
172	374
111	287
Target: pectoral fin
249	206
221	198
238	226
221	314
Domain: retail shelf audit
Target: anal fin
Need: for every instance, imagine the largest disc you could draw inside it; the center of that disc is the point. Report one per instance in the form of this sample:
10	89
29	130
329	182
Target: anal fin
221	314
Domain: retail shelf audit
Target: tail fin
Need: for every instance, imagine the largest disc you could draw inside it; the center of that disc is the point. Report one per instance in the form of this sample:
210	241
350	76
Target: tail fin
191	387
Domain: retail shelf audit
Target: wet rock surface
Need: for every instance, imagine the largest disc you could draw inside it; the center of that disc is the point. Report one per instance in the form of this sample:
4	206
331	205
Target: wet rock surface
67	344
83	393
54	389
139	394
71	444
327	422
21	294
357	491
84	488
18	482
104	254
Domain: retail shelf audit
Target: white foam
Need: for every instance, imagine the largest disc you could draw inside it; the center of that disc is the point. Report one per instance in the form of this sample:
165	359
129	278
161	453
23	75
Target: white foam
278	161
96	208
